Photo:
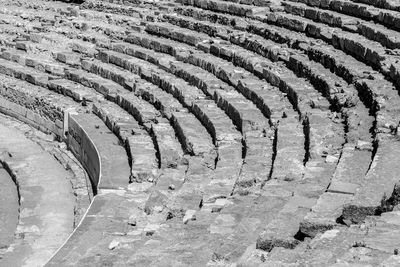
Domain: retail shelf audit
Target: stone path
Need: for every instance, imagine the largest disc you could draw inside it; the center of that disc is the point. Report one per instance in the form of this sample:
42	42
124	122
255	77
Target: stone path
46	201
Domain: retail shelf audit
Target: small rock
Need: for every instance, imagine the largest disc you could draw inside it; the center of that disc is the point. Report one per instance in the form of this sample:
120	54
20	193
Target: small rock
189	216
132	220
362	145
331	159
113	245
216	209
171	187
150	229
97	126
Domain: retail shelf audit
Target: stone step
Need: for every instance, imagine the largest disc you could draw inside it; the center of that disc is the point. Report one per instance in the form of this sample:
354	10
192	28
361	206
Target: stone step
226	7
46	204
281	231
74	90
36	105
146	114
347	179
214	119
386	4
34	61
342	96
370	52
344	66
290	154
386	17
138	143
319	133
206	63
230	52
198	142
376	91
386	37
373	196
55	83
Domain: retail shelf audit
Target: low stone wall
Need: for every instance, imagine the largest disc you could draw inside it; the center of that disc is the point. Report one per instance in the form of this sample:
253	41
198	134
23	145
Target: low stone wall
84	150
32	118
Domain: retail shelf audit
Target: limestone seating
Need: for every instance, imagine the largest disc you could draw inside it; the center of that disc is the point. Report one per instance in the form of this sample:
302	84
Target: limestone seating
138	144
196	143
109	90
375	32
226	7
166	145
387	4
267	93
388	18
333	189
283	36
365	50
270	75
121	77
37	78
295	224
190	97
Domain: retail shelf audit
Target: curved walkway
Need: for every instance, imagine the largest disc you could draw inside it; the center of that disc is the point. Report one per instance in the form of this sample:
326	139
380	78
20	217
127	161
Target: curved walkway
47	201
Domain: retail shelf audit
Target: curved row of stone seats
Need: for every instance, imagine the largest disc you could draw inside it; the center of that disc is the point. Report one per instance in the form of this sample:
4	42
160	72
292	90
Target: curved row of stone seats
342	95
168	149
322	130
388	18
386	188
388	38
367	161
193	136
241	57
144	113
49	118
387	4
138	143
215	120
370	52
140	171
41	79
389	68
113	8
122	78
335	60
225	52
226	139
252	2
200	76
227	7
202	60
294	223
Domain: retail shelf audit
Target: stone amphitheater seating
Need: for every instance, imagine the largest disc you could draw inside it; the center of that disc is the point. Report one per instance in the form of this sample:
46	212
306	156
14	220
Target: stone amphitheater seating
212	132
